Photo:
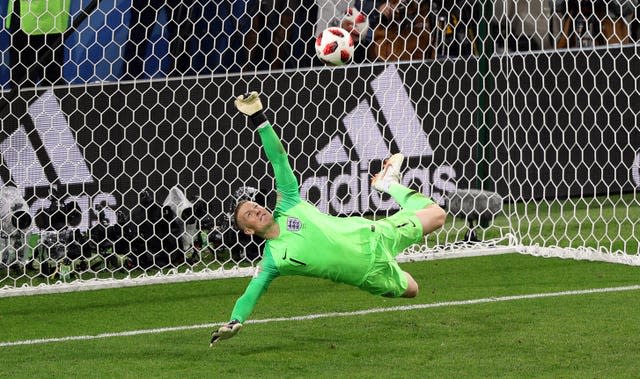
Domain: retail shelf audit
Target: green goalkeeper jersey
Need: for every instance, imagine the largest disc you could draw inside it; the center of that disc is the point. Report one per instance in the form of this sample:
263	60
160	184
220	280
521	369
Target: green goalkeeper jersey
310	242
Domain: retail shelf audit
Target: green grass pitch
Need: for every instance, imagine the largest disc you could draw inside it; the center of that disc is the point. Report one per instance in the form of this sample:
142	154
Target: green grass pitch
575	335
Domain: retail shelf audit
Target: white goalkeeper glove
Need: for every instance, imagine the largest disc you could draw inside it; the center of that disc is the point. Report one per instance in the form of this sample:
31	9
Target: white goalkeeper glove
251	106
226	331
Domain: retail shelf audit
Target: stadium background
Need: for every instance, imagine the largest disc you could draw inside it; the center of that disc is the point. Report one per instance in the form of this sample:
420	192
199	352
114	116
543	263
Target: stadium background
158	134
531	125
563	127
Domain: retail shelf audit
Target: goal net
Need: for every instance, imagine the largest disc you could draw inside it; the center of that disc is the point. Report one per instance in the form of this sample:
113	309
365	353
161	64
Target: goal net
122	166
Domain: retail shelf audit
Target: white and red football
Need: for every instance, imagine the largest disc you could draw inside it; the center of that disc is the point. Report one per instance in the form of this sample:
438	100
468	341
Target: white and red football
334	46
359	22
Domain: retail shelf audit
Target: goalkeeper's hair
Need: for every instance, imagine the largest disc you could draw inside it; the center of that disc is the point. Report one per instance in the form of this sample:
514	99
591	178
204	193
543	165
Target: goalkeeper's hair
234	216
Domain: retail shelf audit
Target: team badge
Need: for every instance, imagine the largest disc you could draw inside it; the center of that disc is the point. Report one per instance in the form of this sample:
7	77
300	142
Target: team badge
293	224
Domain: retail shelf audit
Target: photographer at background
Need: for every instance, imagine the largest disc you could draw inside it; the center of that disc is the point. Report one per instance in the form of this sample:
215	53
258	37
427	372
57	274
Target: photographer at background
404	30
15	225
594	23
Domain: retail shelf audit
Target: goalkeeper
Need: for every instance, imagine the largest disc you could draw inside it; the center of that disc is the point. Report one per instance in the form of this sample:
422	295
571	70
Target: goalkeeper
301	240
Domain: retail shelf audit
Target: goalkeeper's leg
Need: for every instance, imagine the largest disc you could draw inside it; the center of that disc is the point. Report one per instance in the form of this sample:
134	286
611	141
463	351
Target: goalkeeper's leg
430	214
412	287
388	181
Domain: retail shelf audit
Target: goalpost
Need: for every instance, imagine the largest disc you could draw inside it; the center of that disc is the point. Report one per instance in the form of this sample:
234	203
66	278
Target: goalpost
125	182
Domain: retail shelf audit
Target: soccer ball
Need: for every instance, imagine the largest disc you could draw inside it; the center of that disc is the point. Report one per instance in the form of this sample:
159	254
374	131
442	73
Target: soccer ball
359	21
334	46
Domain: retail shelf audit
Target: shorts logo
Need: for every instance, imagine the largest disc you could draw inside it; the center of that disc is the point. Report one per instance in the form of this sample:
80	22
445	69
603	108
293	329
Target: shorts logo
293	224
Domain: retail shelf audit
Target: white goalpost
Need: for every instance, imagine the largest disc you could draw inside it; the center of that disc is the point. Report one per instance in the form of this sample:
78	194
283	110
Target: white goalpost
519	117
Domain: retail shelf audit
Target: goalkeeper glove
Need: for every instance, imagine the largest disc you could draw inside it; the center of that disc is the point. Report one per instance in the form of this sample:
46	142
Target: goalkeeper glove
251	106
226	331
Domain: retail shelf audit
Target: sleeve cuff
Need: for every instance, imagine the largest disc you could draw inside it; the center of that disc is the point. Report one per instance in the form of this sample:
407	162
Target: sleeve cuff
258	119
264	125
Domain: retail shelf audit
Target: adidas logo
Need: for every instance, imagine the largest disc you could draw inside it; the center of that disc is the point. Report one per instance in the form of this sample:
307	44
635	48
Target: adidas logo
402	132
67	163
49	157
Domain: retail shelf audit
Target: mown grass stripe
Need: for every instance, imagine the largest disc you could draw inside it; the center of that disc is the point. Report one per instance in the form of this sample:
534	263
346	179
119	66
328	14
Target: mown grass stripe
325	315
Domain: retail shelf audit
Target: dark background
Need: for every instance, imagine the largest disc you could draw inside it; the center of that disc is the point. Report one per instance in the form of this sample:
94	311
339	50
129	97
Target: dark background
562	125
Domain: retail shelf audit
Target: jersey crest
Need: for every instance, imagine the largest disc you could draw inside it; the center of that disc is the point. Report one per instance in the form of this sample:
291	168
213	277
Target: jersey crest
293	224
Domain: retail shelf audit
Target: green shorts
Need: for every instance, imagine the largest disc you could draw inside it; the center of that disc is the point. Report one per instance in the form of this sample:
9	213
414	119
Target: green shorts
391	236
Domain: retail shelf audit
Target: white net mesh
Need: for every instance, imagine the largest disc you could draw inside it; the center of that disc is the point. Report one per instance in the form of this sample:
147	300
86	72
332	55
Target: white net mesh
125	170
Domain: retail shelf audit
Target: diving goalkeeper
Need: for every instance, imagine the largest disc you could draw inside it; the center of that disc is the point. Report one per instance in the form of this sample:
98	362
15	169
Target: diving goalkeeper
301	240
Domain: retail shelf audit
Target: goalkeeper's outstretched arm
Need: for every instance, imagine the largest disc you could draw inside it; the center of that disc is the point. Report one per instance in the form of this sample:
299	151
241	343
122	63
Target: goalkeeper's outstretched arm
286	182
244	306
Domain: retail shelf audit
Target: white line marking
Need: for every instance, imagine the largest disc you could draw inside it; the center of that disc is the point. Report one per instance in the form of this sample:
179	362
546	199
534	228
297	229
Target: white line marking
325	315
